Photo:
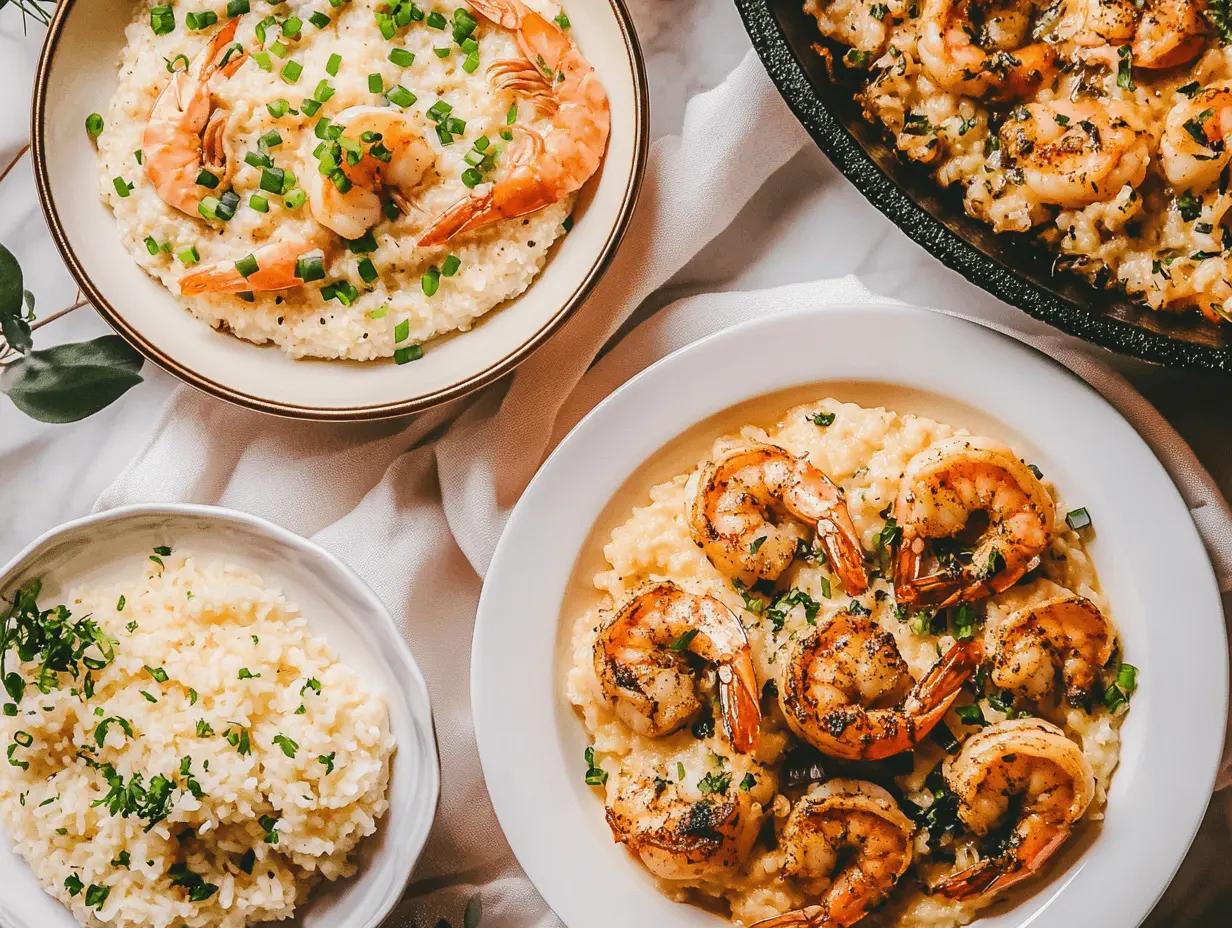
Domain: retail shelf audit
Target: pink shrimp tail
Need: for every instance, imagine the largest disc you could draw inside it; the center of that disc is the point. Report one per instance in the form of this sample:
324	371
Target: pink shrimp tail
738	703
938	688
997	874
465	214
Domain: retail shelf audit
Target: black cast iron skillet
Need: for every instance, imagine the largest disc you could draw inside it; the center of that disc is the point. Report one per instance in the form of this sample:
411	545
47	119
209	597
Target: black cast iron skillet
1011	267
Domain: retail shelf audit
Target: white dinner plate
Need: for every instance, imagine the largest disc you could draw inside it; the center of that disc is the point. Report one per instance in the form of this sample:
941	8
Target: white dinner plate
339	606
1150	558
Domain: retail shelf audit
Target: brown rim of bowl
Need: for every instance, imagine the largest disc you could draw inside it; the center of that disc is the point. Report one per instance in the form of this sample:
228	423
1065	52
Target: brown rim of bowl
493	372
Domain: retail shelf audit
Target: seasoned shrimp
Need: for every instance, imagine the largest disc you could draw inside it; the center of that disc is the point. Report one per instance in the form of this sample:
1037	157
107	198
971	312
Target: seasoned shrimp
541	169
835	676
1074	154
187	132
1025	765
275	266
736	496
943	486
640	659
390	157
1194	146
1103	22
1066	634
853	823
685	827
968	51
1170	33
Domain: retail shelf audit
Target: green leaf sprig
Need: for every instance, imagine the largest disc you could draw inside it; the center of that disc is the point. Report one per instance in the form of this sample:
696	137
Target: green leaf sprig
64	383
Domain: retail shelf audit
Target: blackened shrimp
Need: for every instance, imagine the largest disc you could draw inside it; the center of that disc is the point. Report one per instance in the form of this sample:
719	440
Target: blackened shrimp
641	661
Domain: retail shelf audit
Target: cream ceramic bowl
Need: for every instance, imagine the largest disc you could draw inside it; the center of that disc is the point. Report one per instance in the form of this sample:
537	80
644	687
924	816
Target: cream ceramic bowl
339	606
77	76
1151	562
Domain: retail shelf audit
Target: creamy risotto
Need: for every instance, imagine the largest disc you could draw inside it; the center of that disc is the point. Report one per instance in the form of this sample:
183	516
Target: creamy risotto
790	707
182	750
351	178
1096	124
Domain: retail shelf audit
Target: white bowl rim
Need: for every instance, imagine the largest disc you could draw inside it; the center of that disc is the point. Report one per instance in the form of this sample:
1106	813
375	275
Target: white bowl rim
421	703
461	388
505	717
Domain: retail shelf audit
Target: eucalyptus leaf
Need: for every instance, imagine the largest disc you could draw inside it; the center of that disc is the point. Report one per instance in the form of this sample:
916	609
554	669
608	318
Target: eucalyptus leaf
13	324
474	911
69	382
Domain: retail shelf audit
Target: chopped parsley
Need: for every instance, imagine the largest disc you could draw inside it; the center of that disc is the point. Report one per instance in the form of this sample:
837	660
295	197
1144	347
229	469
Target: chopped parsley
100	730
714	783
327	761
595	776
198	889
748	782
823	419
121	860
268	822
237	737
1189	206
288	746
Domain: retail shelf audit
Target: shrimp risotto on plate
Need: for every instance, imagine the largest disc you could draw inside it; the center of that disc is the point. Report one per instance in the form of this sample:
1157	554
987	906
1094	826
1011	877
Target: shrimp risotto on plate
351	178
855	661
1096	125
182	750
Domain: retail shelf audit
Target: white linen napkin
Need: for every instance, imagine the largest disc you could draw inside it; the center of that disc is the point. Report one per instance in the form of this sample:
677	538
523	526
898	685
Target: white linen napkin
417	513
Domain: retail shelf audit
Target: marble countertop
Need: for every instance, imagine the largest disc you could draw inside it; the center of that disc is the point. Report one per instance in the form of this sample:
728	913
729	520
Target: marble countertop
807	223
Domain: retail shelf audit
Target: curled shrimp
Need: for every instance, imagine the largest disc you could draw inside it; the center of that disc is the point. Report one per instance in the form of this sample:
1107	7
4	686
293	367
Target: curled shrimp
1170	33
1027	765
968	52
1074	154
541	169
186	132
853	823
640	659
1064	634
736	497
1104	22
685	827
942	488
392	158
276	268
835	676
1194	146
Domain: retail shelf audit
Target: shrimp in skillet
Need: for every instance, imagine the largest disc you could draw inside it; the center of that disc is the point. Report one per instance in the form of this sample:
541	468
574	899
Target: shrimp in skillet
942	488
538	169
742	507
853	832
846	690
1195	159
641	659
187	130
1024	767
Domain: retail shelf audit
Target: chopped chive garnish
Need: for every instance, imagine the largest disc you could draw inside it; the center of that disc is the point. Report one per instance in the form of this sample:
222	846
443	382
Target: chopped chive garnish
309	107
227	204
450	265
271	179
122	187
380	312
292	27
442	52
202	20
263	60
291	71
363	245
367	270
471	178
1078	518
407	354
247	266
375	83
139	155
431	281
271	139
207	179
237	8
258	159
310	267
259	203
178	63
162	19
512	116
402	331
294	198
400	96
319	19
402	58
471	64
278	108
188	256
331	66
563	21
323	91
150	245
94	125
463	25
436	20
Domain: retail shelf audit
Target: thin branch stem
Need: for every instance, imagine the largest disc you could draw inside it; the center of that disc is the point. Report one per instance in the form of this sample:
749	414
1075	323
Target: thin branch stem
12	164
57	314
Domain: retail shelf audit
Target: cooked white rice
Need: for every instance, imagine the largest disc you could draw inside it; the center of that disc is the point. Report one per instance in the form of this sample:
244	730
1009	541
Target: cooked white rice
210	670
865	452
497	262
